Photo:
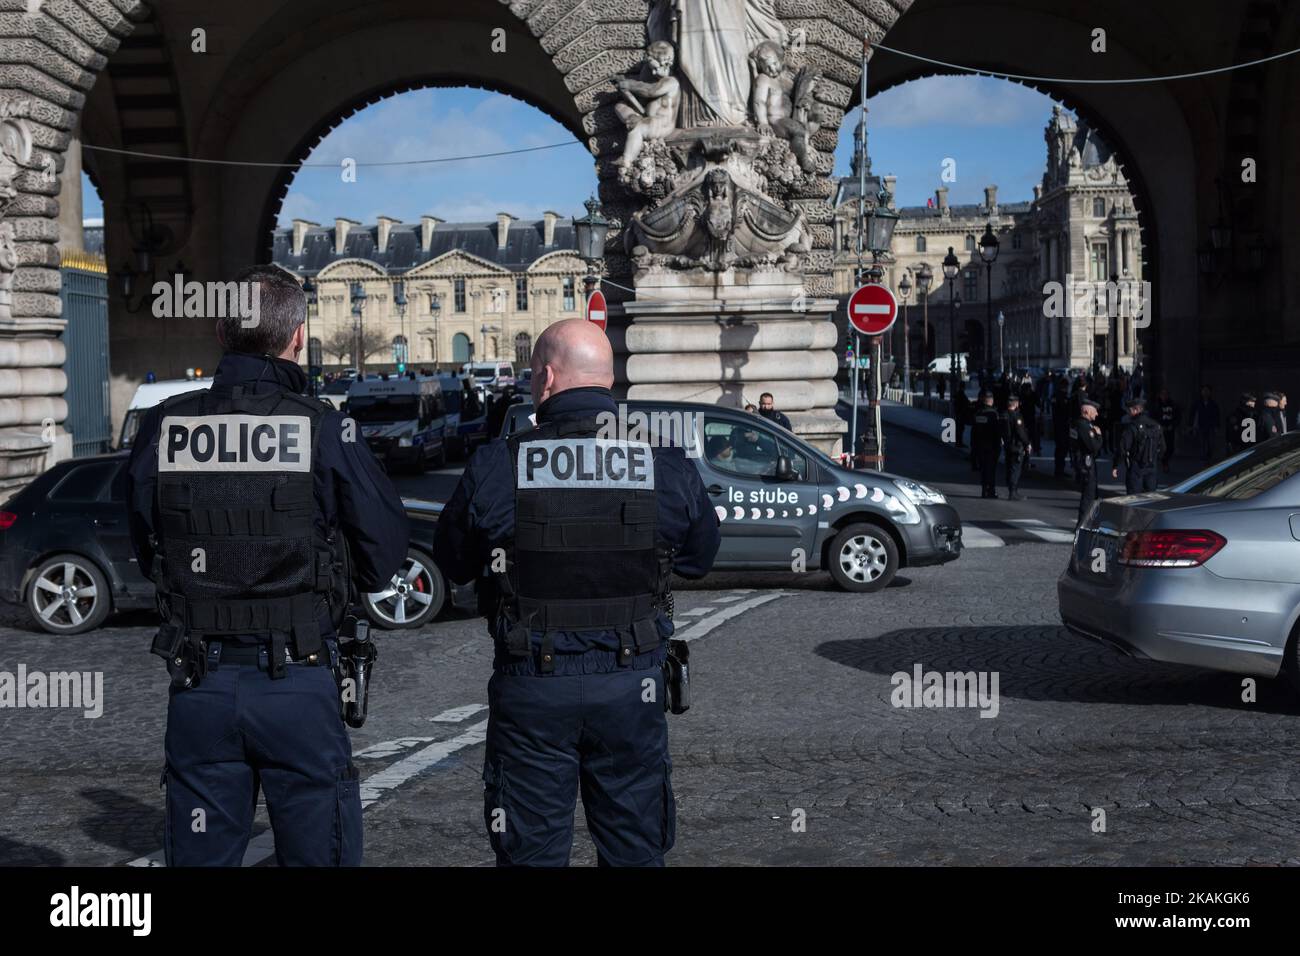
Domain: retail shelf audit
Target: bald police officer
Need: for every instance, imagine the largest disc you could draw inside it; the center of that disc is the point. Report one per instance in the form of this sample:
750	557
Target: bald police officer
1085	446
572	537
254	514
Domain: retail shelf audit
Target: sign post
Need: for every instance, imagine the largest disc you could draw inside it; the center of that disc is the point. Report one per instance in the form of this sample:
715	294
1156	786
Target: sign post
873	310
597	310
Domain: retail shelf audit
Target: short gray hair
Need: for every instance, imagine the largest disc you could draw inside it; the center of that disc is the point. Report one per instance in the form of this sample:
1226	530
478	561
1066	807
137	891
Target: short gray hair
282	307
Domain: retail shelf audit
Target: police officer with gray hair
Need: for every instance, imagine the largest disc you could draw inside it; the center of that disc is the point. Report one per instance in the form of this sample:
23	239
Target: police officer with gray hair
572	538
256	511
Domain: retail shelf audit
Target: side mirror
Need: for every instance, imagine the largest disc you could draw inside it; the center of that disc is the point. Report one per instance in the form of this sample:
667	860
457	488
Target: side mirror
785	470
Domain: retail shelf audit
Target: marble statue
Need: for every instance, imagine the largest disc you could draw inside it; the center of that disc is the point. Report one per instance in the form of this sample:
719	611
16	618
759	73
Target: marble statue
783	103
651	108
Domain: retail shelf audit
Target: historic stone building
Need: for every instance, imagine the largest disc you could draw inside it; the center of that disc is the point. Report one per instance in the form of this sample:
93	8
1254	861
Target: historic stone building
480	290
1059	255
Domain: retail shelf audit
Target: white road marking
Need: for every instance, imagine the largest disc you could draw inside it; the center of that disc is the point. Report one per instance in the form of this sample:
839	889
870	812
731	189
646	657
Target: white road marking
693	612
1043	530
973	537
390	778
457	714
388	748
703	627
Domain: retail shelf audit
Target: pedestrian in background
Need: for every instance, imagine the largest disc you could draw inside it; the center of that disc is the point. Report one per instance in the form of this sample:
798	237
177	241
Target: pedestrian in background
1204	421
1241	421
986	443
1085	446
1141	446
1017	445
1167	414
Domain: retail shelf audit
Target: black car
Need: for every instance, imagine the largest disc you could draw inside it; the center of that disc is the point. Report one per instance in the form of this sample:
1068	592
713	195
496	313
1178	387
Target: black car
784	505
65	549
65	554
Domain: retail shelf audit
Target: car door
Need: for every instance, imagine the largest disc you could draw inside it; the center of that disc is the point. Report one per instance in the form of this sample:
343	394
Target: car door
766	521
84	517
113	529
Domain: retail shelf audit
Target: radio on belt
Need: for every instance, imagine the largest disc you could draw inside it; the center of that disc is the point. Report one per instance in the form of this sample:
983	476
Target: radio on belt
235	443
586	463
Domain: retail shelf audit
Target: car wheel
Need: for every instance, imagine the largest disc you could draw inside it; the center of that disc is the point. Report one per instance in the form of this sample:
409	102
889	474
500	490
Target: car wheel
68	595
863	557
413	597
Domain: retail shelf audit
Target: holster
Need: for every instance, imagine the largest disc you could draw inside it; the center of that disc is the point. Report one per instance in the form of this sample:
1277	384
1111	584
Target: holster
356	657
186	656
677	678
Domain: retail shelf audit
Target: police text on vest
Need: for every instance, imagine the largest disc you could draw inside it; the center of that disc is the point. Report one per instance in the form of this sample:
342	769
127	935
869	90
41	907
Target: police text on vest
235	443
586	463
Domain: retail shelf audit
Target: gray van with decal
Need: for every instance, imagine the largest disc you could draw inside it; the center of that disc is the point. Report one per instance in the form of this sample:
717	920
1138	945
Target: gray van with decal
784	505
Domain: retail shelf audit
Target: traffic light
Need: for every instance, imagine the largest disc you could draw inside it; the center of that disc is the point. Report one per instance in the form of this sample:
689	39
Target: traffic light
401	368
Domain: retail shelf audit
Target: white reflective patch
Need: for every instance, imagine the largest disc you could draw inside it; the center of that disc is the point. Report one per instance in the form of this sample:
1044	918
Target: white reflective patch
235	443
586	463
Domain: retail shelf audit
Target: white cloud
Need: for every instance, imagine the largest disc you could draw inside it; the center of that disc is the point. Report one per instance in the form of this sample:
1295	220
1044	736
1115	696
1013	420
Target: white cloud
957	101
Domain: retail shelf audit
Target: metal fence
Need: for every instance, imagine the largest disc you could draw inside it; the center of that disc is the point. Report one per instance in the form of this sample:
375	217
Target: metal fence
85	306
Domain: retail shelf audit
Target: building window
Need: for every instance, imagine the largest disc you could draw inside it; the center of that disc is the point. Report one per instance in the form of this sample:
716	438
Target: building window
1100	267
844	240
521	293
970	243
1016	240
570	294
920	243
400	354
458	295
972	285
1099	207
523	349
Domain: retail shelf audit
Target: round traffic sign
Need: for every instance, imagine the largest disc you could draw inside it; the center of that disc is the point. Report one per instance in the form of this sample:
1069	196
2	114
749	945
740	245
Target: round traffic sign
597	311
872	309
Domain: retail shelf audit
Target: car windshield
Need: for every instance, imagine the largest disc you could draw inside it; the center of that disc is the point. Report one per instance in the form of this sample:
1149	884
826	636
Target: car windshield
383	409
1248	474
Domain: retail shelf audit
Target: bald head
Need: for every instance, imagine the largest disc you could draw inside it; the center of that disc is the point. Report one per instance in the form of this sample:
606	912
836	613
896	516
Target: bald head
569	354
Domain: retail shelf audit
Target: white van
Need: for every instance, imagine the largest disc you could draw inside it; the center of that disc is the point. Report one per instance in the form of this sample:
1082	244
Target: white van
494	375
150	394
943	365
401	418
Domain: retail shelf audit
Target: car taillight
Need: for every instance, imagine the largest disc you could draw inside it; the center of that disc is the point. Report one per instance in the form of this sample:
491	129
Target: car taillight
7	519
1170	549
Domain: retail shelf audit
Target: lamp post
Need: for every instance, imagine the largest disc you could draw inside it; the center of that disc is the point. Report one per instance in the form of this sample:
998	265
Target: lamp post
435	311
880	223
310	291
357	295
924	277
951	266
589	235
989	253
1002	348
400	300
905	290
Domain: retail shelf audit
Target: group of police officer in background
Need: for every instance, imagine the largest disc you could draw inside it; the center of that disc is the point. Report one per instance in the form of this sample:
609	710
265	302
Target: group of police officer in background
997	433
260	514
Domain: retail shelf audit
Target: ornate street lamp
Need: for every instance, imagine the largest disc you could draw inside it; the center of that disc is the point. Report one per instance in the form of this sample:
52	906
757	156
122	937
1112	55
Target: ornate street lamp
951	266
357	295
989	252
400	300
589	233
905	290
313	354
924	278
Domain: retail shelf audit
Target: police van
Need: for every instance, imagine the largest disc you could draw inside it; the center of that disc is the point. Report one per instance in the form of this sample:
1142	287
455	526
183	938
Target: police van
403	419
147	396
466	418
784	505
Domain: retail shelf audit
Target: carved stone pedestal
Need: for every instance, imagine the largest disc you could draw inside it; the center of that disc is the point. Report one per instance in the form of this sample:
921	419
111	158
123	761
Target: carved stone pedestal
728	351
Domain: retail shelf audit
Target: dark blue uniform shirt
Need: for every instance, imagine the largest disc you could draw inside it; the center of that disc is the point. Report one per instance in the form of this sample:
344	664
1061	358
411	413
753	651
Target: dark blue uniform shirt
481	513
352	491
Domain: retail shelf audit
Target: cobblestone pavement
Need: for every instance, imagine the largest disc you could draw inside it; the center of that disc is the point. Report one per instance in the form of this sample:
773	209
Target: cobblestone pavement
793	721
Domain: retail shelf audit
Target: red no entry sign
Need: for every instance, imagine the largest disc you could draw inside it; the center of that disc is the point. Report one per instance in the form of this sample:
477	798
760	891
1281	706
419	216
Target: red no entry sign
597	311
872	309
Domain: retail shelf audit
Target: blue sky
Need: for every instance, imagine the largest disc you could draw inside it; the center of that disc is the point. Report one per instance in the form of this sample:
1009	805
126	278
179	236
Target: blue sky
992	128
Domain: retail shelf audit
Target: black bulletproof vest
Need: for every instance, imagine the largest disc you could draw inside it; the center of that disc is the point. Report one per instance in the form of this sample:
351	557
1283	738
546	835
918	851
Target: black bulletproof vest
584	554
239	549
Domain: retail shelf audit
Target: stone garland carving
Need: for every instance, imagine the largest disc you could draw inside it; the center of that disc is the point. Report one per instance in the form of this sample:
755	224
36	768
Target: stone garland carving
15	155
719	140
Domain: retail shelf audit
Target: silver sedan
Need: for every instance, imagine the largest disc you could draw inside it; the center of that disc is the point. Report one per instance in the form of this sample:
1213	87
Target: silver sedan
1206	573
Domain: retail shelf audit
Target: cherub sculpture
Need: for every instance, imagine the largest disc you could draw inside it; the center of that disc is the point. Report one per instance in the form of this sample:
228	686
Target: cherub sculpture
651	108
783	103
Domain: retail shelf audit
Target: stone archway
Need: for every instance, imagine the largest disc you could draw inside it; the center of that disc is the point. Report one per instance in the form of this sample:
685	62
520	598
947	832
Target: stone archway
569	53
